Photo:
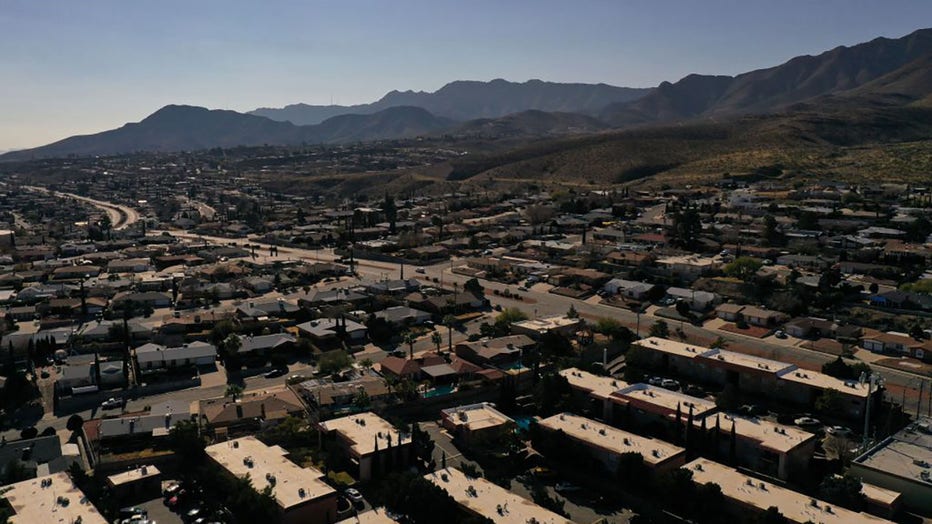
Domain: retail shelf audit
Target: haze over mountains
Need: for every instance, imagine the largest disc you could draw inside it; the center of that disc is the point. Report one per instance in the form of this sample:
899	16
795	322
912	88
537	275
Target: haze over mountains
883	71
467	100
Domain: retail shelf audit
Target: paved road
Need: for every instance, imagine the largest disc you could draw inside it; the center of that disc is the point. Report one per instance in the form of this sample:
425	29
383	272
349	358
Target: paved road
121	216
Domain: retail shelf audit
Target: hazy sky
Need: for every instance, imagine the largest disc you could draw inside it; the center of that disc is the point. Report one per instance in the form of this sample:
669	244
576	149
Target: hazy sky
72	67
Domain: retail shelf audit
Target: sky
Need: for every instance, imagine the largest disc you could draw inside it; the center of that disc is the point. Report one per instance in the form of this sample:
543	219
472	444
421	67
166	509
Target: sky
75	67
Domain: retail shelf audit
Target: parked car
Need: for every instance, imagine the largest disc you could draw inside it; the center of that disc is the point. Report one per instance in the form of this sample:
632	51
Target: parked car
132	511
669	383
420	270
176	500
522	288
354	496
111	403
193	515
171	489
566	487
780	334
277	372
655	381
542	473
753	410
694	391
839	431
807	422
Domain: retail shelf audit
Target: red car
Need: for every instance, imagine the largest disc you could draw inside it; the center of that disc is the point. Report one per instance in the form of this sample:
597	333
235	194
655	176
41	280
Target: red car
177	499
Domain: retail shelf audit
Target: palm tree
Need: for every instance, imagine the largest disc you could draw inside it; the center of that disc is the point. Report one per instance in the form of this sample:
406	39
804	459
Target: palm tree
449	321
233	390
437	339
409	338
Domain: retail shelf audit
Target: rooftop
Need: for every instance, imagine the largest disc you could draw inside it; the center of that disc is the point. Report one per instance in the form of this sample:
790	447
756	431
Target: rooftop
53	499
363	430
142	472
906	454
665	399
796	507
611	439
268	466
490	500
598	386
673	347
547	323
476	417
770	435
373	516
820	380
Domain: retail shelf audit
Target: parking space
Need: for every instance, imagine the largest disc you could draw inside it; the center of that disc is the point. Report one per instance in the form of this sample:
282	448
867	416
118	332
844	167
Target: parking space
160	513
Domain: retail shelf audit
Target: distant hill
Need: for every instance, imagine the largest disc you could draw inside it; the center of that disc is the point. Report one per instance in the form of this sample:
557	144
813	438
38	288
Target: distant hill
186	128
529	124
467	100
768	90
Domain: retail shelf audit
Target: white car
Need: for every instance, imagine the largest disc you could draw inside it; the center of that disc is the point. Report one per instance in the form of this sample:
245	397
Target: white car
111	403
420	270
807	422
839	431
354	495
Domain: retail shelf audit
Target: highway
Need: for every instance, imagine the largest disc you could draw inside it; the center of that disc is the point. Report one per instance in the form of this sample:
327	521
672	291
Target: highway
121	216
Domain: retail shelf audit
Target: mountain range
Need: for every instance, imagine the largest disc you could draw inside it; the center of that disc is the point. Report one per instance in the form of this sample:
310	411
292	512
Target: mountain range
890	72
468	100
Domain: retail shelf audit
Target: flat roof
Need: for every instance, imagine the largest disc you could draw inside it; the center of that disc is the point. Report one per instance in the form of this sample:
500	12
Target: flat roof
759	364
268	466
490	500
363	430
760	494
595	385
547	323
673	347
611	439
820	380
477	417
35	500
142	472
664	398
770	435
906	454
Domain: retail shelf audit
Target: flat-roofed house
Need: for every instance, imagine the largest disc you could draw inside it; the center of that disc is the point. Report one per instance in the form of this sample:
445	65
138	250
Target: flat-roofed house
749	493
476	423
903	463
370	443
607	444
50	498
483	498
300	492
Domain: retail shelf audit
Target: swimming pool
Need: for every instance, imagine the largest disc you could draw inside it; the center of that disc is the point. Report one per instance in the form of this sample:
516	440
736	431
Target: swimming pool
438	391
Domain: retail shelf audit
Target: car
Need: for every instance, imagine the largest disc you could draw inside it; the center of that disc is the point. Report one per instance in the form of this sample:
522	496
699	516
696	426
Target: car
566	487
420	270
275	373
522	288
655	381
129	513
296	378
807	422
353	495
175	501
694	391
193	514
542	473
669	383
780	334
839	431
111	403
171	489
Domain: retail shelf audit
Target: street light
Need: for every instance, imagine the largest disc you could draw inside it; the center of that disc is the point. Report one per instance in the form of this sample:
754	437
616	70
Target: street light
872	379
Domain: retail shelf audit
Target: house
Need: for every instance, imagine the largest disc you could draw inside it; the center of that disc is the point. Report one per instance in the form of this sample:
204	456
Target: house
265	344
300	493
269	309
156	356
536	327
371	444
401	368
500	351
250	412
330	396
333	329
756	316
697	300
476	424
152	299
630	289
136	485
897	344
902	300
729	312
820	327
128	265
688	267
403	316
332	297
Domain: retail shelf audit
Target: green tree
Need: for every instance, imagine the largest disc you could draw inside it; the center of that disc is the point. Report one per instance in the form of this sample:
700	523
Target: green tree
449	321
437	339
233	391
771	516
687	226
333	362
772	234
553	394
409	338
185	440
659	329
743	268
844	491
571	312
829	402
